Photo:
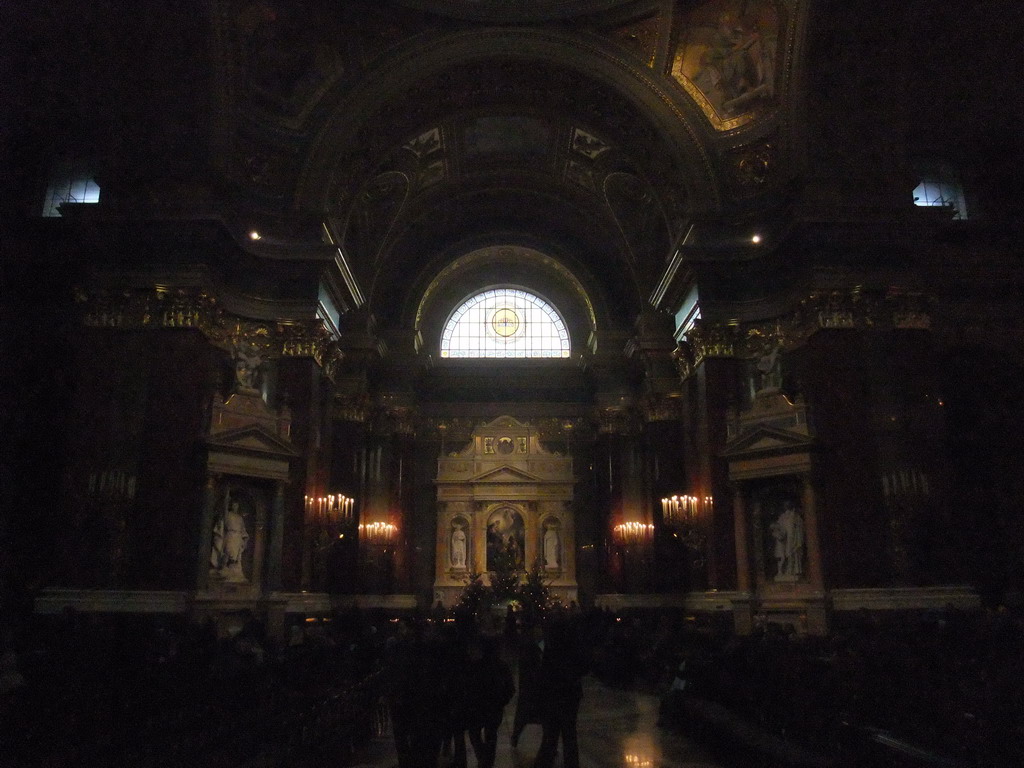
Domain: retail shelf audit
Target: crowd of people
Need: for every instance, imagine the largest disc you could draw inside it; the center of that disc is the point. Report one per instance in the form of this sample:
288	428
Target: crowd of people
111	691
449	681
91	690
939	688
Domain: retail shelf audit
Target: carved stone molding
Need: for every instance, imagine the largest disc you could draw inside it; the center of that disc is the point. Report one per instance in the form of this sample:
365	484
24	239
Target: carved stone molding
354	408
618	421
708	340
854	309
661	408
160	307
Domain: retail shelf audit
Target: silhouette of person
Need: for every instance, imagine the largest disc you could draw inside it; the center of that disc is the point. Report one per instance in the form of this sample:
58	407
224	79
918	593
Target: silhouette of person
489	688
415	691
527	706
559	692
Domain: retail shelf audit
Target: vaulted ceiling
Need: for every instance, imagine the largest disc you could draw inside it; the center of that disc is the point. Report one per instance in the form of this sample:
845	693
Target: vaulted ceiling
590	130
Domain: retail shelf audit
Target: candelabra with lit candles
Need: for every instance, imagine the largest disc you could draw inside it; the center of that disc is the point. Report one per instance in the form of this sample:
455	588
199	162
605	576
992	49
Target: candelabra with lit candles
328	519
377	556
633	533
683	509
682	513
332	509
377	533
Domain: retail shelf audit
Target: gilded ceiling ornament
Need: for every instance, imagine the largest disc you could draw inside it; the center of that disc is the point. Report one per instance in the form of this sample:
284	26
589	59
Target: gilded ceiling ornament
588	145
641	37
426	143
753	165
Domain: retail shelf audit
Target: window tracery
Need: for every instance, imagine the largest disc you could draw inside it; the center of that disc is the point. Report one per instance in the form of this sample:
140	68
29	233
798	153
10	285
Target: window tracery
505	323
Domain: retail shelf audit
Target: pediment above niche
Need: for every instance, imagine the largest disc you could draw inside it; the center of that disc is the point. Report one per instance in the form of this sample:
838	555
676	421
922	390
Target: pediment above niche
505	474
252	439
502	425
765	440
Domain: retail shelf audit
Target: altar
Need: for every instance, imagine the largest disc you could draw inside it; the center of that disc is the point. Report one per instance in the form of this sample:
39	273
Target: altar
504	504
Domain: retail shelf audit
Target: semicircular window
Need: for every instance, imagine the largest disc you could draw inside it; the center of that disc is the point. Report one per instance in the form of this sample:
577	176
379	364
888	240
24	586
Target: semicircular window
505	322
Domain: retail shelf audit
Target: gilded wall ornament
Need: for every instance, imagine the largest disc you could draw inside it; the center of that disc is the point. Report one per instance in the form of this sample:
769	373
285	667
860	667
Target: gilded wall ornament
163	307
712	341
753	165
764	341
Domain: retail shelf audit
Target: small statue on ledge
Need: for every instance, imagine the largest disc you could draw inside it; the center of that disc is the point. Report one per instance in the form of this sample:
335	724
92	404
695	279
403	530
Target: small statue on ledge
248	360
769	369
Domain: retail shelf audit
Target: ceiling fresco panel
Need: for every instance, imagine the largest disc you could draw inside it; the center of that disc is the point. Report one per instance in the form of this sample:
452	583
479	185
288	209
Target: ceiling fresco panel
726	55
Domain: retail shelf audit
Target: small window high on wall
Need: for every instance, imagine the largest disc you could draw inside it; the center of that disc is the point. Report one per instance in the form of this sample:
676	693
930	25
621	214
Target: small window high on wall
940	185
505	323
71	181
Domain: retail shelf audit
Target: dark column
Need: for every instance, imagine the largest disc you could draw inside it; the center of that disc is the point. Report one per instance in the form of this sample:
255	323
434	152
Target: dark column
591	526
348	475
276	539
403	462
714	390
607	472
302	386
666	476
204	532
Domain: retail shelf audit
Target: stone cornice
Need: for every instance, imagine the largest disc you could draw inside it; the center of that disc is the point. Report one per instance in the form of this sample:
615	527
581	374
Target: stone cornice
852	309
162	307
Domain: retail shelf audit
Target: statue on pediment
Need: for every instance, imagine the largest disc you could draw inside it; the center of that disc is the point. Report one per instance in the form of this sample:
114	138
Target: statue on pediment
769	369
248	359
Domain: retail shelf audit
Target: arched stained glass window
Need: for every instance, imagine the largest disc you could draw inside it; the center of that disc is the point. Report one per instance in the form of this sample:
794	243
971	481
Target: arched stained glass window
505	322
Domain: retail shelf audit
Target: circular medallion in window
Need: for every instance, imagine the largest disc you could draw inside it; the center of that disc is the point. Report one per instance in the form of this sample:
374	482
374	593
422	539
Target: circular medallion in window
505	445
505	322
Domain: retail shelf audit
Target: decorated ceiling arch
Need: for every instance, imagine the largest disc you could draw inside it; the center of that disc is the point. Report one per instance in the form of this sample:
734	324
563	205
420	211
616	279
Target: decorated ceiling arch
411	126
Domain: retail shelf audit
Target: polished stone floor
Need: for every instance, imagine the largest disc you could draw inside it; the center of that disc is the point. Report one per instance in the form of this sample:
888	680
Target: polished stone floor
617	729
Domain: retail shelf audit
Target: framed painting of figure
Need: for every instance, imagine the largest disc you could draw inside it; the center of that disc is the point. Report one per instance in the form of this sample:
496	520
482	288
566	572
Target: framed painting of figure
726	57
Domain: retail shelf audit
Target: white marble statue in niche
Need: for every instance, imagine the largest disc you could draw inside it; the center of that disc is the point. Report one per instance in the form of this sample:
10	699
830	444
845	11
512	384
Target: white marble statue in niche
551	546
787	532
230	540
458	547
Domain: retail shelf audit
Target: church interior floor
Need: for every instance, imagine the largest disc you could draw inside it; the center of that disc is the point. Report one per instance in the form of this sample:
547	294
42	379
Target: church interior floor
617	729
